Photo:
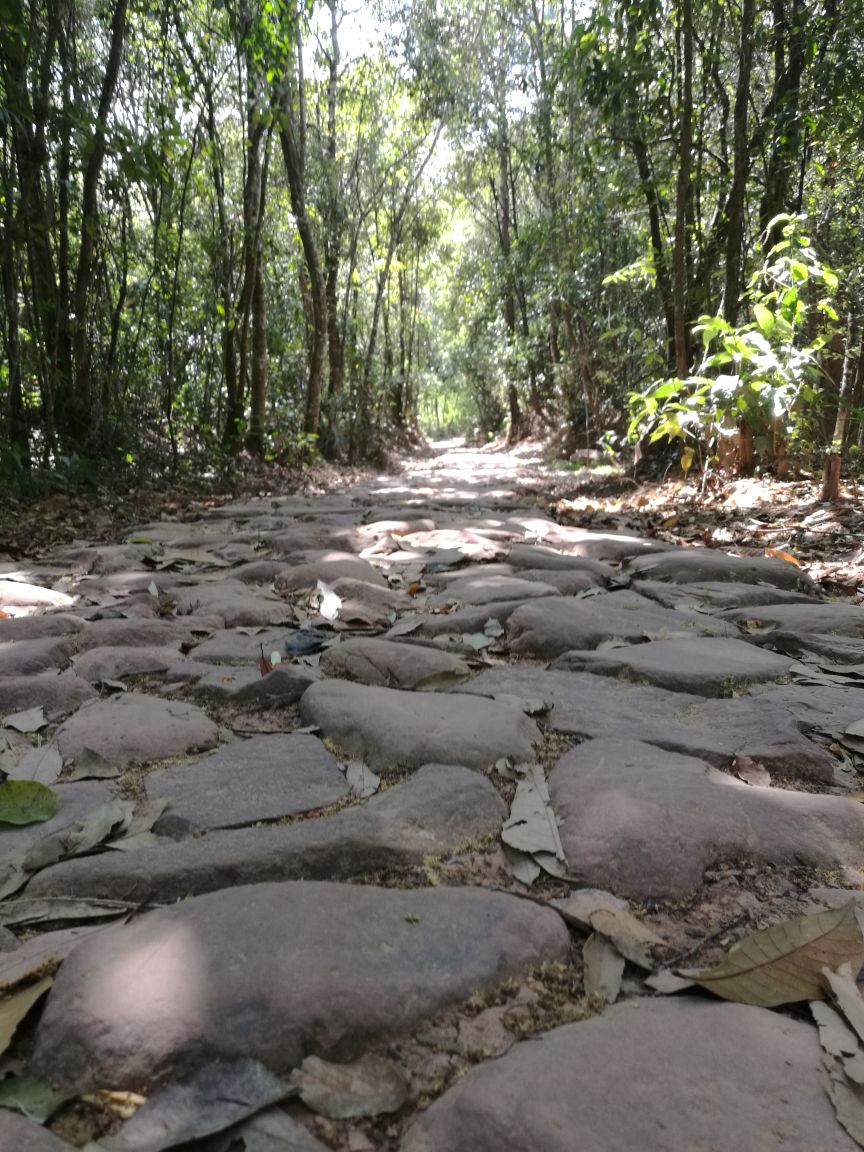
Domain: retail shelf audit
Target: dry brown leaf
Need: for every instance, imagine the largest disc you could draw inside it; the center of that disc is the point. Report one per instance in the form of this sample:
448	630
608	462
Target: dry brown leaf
15	1007
844	991
784	963
604	968
779	554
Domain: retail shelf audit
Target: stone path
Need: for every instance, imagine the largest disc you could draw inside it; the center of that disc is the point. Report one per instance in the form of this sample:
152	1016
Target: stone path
300	748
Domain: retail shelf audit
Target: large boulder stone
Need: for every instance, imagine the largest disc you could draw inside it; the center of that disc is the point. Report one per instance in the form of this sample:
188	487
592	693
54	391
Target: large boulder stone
705	666
388	728
537	556
285	684
275	972
30	657
40	627
611	547
688	565
137	729
327	569
264	778
645	822
231	603
816	707
439	810
554	625
134	634
842	620
589	706
389	664
660	1075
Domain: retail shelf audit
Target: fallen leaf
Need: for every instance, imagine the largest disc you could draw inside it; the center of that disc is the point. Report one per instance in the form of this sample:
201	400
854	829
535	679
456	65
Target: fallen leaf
15	1007
328	602
270	1131
835	1036
531	826
370	1086
214	1098
848	1101
361	779
524	867
41	955
751	772
476	640
783	964
441	681
30	721
36	1098
406	626
779	554
604	969
43	765
844	992
414	587
26	802
667	983
493	628
90	765
50	909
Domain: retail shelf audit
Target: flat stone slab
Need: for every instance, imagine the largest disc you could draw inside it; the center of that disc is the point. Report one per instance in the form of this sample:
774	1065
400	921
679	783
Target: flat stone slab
284	685
137	729
33	597
307	575
389	728
134	634
232	646
647	822
612	547
436	812
40	627
827	709
717	595
58	694
18	1134
264	778
482	589
76	800
554	625
117	663
276	972
687	565
705	666
469	619
390	664
534	556
567	583
233	605
842	620
664	1075
715	730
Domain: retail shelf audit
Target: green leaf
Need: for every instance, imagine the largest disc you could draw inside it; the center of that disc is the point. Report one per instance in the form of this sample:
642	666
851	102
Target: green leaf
26	802
764	317
36	1098
783	964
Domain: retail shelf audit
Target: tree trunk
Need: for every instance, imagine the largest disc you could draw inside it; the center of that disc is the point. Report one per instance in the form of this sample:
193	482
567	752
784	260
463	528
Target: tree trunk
853	360
80	415
741	169
255	441
685	147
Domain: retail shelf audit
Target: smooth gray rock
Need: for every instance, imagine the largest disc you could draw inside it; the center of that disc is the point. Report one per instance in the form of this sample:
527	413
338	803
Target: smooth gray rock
611	547
284	685
555	625
717	595
137	729
688	565
275	972
437	811
455	624
307	575
664	1075
390	664
117	663
40	627
714	730
76	800
537	556
704	666
842	620
230	646
231	603
389	728
482	589
30	657
264	778
18	1134
58	694
646	822
567	583
134	634
827	709
23	594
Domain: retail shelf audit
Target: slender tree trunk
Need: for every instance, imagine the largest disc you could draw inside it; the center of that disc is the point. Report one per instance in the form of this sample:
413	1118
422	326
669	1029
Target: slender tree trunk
685	147
80	426
853	359
741	167
258	396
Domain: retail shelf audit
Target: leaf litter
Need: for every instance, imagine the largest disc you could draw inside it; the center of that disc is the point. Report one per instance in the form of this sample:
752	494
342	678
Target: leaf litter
370	1086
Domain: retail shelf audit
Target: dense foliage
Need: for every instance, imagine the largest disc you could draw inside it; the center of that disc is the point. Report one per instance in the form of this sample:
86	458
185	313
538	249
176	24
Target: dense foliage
280	227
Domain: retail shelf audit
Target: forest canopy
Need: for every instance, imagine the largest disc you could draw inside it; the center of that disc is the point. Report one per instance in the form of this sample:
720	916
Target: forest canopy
281	228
